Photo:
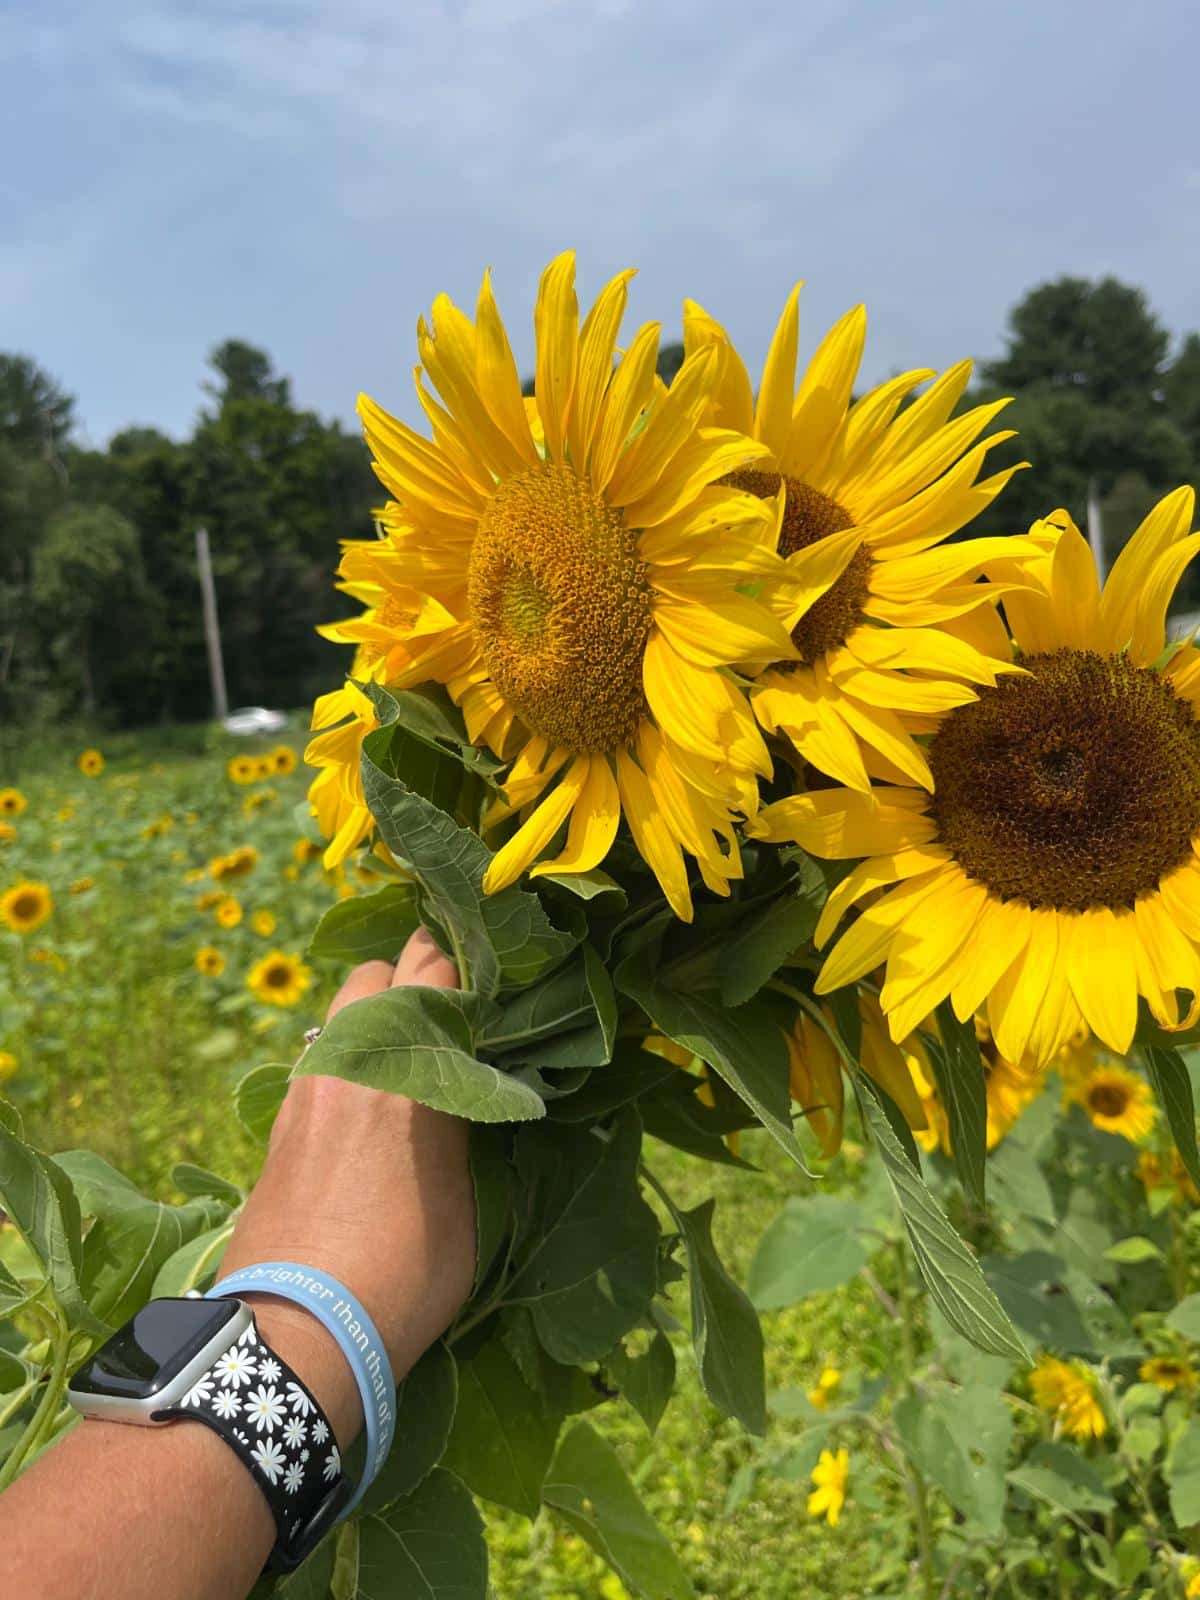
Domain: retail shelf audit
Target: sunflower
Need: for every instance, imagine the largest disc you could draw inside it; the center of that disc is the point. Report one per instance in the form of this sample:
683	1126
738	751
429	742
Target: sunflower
816	1071
279	979
283	760
228	911
1068	1391
1116	1100
583	600
1052	874
209	899
8	1065
12	802
342	720
866	491
91	763
7	832
1168	1373
236	864
241	769
209	961
159	828
83	885
825	1388
1010	1088
26	906
1173	1182
829	1476
256	800
263	923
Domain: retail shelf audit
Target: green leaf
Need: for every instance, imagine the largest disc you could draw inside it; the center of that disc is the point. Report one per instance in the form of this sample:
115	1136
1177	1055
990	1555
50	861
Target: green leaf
427	1547
813	1245
1032	1288
368	927
1064	1479
673	1113
1182	1473
1185	1317
505	938
1132	1250
726	1333
633	1074
37	1196
561	1389
747	1048
429	714
13	1293
646	1380
258	1097
1018	1187
589	1489
761	944
950	1272
588	885
425	1406
958	1067
567	1020
592	1269
960	1438
421	1043
312	1578
194	1265
492	1181
502	1441
199	1184
131	1235
1173	1086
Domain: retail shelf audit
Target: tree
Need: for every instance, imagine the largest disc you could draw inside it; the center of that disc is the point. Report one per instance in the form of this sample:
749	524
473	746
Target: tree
36	415
245	372
1098	339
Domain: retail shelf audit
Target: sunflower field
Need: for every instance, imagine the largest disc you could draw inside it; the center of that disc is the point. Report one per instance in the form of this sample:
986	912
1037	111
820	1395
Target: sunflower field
824	888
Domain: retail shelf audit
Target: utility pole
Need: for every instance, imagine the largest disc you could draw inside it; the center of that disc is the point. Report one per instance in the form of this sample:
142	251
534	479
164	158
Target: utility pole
1095	528
212	628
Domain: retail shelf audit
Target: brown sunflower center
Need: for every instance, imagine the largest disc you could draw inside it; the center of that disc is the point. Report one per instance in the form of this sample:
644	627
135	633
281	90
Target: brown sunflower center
1075	787
808	516
278	975
26	906
562	608
1108	1099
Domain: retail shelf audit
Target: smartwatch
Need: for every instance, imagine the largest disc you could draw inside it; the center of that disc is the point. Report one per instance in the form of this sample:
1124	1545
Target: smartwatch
203	1359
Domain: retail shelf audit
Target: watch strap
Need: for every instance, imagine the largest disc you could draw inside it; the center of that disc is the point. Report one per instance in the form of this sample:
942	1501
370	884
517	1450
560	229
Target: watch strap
268	1416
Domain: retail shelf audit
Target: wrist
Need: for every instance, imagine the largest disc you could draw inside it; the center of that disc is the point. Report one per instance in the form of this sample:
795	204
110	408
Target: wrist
313	1354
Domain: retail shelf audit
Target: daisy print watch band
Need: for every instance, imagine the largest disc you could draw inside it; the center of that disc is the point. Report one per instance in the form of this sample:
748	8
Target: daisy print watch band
258	1405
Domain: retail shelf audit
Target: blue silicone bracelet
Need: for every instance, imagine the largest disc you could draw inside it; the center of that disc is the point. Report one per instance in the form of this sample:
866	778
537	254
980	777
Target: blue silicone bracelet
357	1336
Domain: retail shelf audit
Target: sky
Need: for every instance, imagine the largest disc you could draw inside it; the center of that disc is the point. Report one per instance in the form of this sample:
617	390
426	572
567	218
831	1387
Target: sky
309	174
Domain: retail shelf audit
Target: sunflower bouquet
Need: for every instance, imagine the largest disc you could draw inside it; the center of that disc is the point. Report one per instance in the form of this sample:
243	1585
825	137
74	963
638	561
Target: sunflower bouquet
739	787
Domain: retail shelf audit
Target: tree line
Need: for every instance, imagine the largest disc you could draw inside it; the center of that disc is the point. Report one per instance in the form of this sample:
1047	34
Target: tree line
99	596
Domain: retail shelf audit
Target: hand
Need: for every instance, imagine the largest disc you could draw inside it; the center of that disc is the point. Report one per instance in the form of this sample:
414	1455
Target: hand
373	1189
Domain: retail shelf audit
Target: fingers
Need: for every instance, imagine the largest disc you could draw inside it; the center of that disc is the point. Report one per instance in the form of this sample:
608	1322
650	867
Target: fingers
373	977
421	962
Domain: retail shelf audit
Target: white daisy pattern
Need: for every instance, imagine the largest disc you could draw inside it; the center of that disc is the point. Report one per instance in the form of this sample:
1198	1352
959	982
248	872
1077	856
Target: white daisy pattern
264	1408
269	1457
236	1367
249	1337
301	1403
333	1464
293	1477
199	1393
304	1455
294	1433
269	1370
227	1403
320	1431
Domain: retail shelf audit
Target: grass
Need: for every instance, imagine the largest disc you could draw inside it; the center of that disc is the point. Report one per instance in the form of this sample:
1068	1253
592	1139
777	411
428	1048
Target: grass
123	1046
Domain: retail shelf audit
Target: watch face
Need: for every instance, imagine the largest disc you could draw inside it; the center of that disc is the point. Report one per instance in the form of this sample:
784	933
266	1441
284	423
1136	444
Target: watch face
156	1346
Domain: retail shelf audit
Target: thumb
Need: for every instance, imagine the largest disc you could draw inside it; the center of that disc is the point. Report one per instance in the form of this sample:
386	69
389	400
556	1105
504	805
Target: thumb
422	963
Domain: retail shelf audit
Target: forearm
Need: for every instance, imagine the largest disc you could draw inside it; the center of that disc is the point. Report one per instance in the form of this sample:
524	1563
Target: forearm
118	1512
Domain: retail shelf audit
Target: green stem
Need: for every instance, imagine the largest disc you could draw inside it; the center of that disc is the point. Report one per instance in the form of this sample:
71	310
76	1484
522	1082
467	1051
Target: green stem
47	1409
460	960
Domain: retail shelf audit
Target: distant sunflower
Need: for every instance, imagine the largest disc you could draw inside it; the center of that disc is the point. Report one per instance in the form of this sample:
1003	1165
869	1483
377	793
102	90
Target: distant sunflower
26	906
283	760
865	490
304	851
8	1065
228	911
7	832
1115	1100
1172	1180
237	864
1168	1373
209	961
12	802
1053	875
1010	1088
83	885
279	979
264	768
263	923
582	600
1068	1391
91	763
241	769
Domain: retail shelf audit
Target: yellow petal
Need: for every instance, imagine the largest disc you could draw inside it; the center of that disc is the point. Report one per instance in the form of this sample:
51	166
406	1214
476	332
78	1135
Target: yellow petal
1170	521
597	342
653	837
694	705
1000	938
1018	997
626	397
842	824
866	942
1158	590
497	377
733	395
773	418
593	822
1102	968
876	873
824	394
556	325
732	628
532	837
670	424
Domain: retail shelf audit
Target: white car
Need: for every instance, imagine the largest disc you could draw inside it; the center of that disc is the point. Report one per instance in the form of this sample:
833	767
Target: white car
255	719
